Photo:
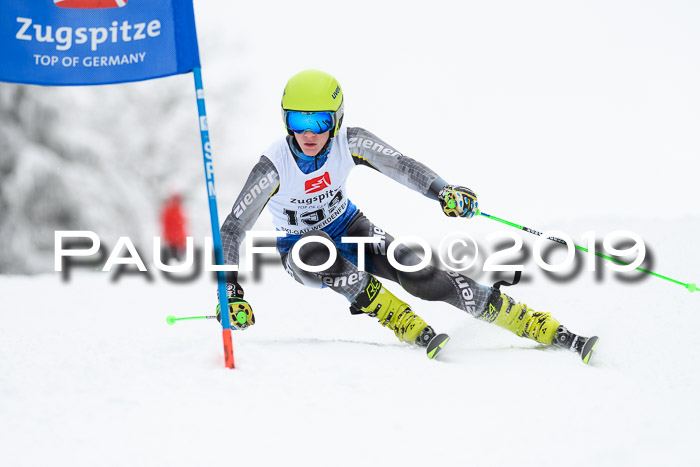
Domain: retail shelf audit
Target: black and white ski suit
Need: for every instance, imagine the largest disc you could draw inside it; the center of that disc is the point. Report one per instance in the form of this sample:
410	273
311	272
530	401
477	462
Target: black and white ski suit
308	196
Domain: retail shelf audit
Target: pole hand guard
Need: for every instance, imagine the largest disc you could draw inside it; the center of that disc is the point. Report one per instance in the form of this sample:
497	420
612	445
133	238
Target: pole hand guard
458	201
240	312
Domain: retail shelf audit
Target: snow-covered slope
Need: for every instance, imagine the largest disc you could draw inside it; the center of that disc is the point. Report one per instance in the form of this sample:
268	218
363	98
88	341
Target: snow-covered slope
92	375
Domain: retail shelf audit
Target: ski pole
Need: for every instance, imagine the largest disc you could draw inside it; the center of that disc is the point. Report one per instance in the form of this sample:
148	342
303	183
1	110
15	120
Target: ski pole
690	286
171	319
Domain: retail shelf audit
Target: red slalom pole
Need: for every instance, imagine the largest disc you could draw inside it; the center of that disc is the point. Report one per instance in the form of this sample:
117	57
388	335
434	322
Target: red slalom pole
228	349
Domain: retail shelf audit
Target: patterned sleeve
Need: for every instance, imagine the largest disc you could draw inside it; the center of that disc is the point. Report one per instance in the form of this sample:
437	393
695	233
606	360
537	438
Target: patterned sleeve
367	149
262	184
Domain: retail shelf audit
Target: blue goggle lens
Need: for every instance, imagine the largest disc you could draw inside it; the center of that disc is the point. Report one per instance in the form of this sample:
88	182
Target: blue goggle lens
316	122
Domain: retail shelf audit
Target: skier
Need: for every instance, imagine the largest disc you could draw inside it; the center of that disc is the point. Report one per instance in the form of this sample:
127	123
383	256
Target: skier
302	178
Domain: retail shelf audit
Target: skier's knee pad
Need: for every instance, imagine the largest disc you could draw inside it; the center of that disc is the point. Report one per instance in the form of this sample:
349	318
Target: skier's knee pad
315	253
300	275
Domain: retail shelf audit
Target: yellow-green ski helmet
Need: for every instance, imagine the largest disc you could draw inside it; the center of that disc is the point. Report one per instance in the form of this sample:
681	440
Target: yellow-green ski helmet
313	91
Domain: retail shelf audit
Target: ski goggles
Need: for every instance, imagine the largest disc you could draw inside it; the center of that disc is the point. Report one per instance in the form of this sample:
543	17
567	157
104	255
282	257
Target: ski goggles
316	122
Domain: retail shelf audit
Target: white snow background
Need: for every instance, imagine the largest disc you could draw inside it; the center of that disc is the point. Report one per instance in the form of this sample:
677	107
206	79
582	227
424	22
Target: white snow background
561	115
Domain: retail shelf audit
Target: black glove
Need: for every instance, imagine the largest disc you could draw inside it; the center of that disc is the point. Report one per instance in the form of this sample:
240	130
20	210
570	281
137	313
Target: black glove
240	313
458	201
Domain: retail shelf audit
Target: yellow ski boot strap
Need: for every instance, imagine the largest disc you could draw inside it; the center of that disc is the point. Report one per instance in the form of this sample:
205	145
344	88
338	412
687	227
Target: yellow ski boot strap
392	312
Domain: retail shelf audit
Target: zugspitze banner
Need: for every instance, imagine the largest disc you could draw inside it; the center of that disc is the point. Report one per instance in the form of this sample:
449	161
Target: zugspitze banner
78	42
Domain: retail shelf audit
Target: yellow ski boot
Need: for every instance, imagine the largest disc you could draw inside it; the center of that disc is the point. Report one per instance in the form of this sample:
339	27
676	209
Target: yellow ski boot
394	313
541	327
519	319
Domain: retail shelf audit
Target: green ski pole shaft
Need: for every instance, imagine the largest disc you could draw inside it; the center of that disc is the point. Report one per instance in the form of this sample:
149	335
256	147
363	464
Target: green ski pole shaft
172	320
690	286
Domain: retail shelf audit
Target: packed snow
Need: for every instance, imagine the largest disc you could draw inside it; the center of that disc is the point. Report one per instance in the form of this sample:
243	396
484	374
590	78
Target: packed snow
94	375
570	116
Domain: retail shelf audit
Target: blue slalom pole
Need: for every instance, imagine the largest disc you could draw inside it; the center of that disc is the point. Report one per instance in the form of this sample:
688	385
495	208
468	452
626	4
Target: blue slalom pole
214	215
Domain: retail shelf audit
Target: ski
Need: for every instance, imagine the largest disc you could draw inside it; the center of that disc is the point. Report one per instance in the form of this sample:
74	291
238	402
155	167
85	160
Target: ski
586	350
584	346
436	345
